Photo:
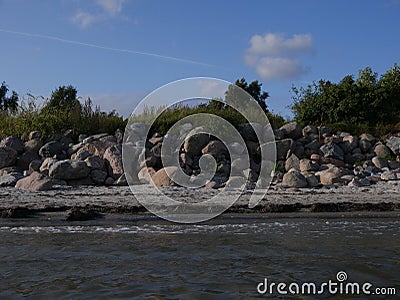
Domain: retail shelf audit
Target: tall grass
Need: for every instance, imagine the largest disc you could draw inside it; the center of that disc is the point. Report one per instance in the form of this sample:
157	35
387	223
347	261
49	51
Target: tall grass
30	116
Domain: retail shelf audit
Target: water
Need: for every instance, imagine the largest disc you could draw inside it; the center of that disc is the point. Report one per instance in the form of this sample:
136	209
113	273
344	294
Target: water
145	258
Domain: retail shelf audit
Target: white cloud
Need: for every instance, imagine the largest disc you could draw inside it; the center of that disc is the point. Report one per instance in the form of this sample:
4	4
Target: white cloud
275	56
106	9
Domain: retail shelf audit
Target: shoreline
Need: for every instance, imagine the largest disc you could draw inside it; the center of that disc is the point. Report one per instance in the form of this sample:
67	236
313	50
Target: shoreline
98	202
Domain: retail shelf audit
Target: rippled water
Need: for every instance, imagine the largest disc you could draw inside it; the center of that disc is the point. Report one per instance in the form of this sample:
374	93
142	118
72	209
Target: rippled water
224	259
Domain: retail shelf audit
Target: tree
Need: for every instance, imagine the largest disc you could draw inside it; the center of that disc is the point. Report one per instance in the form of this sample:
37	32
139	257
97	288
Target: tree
9	104
366	101
254	89
63	99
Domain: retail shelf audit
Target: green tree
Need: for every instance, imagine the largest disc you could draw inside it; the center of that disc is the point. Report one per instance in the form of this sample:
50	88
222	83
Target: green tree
255	90
9	105
63	99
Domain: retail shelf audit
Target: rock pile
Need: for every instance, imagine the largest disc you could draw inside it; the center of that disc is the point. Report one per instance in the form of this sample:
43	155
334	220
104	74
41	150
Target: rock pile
305	157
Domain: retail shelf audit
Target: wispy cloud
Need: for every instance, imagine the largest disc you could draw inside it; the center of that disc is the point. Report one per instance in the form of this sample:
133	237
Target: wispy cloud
276	56
62	40
105	9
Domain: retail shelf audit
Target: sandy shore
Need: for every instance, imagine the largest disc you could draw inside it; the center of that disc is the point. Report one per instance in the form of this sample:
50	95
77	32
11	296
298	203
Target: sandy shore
383	196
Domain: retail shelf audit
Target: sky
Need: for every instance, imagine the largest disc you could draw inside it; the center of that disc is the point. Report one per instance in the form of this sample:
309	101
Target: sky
118	51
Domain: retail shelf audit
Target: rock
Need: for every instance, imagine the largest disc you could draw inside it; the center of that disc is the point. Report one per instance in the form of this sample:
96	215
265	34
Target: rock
161	178
293	178
312	180
346	179
79	214
35	135
315	157
282	147
279	134
393	164
249	131
333	161
379	162
36	182
359	182
240	164
312	146
195	142
81	181
51	149
69	169
95	163
113	159
308	130
307	165
14	143
394	144
382	150
368	137
217	149
137	128
109	181
25	159
389	175
10	179
332	150
98	176
119	135
34	166
292	162
365	145
349	143
33	145
329	176
82	155
8	156
47	163
145	175
235	182
292	130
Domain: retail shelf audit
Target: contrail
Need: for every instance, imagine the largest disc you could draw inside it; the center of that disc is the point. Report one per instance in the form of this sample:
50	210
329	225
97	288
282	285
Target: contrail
54	38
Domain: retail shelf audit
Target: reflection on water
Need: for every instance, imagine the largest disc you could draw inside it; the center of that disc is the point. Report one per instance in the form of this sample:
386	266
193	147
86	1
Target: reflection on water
162	260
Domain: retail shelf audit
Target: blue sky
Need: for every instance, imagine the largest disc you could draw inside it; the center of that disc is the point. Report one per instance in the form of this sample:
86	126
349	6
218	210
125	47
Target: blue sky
118	51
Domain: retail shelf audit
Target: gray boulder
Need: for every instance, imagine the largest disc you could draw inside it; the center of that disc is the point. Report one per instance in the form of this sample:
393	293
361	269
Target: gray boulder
36	182
282	147
8	156
69	169
195	142
292	130
292	162
332	150
293	178
382	150
394	144
379	162
14	143
50	149
113	159
365	145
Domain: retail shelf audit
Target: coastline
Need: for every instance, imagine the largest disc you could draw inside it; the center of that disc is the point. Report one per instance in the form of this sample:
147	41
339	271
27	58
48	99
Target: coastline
119	201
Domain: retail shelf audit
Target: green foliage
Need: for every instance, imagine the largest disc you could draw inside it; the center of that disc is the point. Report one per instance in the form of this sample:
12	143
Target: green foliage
49	120
8	105
367	103
254	89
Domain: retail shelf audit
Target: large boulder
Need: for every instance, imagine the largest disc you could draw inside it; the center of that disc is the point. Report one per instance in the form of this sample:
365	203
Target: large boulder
113	159
33	145
95	163
161	178
69	169
293	178
382	150
293	162
8	156
25	159
51	149
217	149
282	148
332	150
330	176
36	182
196	141
394	144
14	143
349	143
292	130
